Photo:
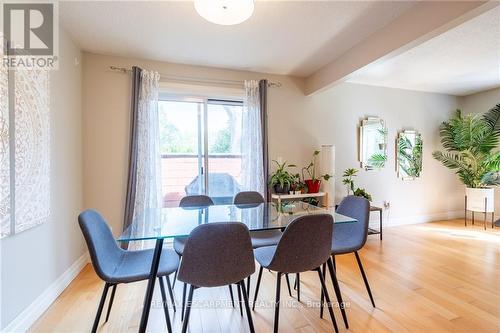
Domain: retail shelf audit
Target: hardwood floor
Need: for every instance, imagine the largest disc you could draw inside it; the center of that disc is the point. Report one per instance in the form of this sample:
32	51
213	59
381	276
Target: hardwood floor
434	277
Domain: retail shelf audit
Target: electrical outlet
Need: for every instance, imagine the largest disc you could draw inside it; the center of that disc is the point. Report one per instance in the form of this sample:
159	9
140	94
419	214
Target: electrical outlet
387	205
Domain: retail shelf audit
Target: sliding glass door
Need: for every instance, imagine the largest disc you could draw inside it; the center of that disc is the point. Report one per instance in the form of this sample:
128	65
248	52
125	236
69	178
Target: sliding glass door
188	129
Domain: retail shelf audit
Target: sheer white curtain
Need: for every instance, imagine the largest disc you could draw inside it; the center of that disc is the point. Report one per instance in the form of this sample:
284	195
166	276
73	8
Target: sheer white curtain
252	170
148	189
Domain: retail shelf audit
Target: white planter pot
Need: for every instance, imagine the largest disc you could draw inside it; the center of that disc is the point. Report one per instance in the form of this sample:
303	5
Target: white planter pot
480	199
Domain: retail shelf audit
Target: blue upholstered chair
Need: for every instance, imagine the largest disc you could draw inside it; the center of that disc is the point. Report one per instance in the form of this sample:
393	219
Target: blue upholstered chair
115	265
217	254
304	246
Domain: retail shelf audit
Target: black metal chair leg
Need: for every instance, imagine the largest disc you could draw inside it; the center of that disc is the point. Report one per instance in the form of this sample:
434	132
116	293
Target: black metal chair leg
188	309
248	286
298	286
288	285
257	287
165	304
277	303
175	279
322	302
336	287
364	278
295	284
110	302
239	300
101	305
170	292
334	263
329	304
231	293
247	307
183	301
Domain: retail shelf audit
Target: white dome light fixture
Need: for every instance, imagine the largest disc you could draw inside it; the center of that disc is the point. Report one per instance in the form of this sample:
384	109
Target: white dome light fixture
225	12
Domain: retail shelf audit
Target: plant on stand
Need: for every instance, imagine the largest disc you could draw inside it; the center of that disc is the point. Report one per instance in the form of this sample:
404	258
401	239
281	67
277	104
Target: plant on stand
281	179
313	183
348	181
471	149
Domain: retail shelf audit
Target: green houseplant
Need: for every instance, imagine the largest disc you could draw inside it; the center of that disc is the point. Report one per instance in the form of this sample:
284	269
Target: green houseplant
282	179
313	183
348	180
471	149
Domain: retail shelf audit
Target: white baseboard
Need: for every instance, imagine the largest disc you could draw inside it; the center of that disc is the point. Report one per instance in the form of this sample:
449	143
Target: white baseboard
406	220
28	317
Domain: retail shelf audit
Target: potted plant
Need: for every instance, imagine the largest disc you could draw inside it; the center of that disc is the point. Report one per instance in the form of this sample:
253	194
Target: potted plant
313	183
471	143
348	180
282	179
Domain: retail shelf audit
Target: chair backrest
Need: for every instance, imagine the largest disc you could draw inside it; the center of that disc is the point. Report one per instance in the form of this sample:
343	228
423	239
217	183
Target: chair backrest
358	208
305	244
217	254
248	197
196	201
104	252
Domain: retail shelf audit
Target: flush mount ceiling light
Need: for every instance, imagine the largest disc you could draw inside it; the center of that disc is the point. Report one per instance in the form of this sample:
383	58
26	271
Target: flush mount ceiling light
225	12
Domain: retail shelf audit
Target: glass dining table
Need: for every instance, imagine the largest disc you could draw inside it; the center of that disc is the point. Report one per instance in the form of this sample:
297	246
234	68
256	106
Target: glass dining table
169	223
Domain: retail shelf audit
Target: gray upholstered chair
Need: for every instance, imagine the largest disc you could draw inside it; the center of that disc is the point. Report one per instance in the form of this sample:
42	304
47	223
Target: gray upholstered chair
259	238
304	246
349	238
115	265
217	254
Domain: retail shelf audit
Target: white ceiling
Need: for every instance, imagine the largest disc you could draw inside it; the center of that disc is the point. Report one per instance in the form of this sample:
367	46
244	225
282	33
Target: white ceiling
291	38
461	61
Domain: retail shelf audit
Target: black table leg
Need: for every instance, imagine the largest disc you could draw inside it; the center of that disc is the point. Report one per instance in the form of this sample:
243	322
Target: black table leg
380	224
151	285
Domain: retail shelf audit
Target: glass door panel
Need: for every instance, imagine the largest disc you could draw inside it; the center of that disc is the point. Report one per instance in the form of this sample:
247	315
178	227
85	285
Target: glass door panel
181	146
224	149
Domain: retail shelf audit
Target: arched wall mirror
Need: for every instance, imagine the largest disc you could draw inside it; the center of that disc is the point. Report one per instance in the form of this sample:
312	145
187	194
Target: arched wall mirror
409	155
372	143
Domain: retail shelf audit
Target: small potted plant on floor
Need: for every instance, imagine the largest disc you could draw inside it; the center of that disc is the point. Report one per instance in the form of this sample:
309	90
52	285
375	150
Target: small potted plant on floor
471	143
348	181
281	179
313	183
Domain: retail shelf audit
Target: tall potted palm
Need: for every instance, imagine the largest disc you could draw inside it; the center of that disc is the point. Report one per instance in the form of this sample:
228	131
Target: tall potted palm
471	143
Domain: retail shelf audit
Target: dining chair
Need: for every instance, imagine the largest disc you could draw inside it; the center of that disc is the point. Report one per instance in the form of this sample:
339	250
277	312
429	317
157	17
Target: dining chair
350	238
304	246
217	254
115	265
259	238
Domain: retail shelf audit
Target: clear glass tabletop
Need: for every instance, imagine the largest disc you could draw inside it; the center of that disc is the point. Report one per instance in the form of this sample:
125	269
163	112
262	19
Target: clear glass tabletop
179	222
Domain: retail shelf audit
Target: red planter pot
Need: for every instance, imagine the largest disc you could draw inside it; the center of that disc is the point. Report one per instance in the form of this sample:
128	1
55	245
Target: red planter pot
313	185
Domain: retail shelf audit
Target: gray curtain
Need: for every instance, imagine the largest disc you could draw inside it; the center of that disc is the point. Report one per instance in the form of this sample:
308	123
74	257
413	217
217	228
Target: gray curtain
132	162
263	117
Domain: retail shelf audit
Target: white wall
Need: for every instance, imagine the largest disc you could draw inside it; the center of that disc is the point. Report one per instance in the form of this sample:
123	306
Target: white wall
33	260
333	116
480	103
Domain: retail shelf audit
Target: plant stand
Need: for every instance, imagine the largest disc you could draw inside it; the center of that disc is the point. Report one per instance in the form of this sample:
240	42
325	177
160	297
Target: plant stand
484	212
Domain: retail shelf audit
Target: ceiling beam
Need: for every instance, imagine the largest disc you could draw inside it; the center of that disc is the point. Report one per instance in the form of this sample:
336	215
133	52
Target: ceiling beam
420	23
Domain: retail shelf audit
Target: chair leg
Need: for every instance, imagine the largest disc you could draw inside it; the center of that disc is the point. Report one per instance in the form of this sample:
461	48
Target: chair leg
101	305
336	287
329	304
288	285
183	301
175	279
231	293
170	292
364	278
297	279
247	307
277	303
110	302
165	304
257	287
248	286
239	300
334	263
322	302
188	309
